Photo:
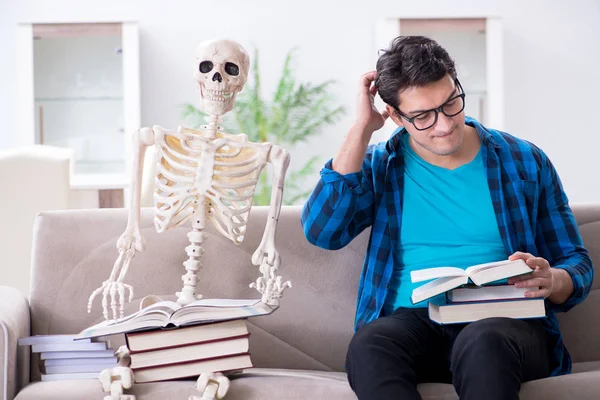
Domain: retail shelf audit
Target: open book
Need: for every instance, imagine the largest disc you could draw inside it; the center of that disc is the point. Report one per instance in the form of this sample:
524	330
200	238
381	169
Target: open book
169	314
447	278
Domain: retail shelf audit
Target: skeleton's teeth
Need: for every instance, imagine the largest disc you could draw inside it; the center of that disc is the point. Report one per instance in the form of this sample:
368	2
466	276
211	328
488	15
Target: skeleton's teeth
216	95
212	98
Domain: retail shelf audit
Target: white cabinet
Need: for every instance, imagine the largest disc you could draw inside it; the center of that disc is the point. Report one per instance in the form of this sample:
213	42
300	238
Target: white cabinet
79	89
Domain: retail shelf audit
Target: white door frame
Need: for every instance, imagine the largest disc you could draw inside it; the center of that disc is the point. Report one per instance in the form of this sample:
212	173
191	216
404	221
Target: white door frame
389	28
130	45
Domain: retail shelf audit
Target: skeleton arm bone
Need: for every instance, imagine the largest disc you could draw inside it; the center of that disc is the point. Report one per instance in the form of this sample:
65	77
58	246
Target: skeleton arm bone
131	240
269	284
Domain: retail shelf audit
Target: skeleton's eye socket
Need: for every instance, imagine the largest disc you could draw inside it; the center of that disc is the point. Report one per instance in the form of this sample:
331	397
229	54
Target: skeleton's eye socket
206	66
232	69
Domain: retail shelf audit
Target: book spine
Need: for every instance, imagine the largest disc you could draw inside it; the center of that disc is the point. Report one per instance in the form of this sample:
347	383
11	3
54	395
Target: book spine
227	372
191	361
224	339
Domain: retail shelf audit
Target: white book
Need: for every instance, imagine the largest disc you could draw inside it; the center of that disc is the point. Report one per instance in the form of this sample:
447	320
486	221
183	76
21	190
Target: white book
68	369
46	339
53	355
469	312
189	353
195	368
73	346
61	377
488	293
80	361
448	278
168	313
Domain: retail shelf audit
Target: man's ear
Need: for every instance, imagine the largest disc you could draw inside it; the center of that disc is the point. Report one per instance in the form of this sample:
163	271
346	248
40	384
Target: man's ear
394	115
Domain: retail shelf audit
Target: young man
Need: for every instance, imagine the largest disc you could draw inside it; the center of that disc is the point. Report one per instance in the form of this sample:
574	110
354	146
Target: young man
444	190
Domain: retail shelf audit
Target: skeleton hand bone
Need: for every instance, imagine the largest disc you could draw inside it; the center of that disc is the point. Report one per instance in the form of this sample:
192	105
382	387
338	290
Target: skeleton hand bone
212	386
271	287
129	242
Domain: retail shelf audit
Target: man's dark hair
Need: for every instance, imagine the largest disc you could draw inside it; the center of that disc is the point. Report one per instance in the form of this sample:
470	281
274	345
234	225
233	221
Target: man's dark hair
411	61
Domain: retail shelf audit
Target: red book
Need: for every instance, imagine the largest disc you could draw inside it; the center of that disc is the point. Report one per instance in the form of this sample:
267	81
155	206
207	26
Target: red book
192	352
194	368
163	339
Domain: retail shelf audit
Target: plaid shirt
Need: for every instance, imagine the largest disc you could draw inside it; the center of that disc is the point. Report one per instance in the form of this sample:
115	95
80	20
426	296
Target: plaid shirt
531	209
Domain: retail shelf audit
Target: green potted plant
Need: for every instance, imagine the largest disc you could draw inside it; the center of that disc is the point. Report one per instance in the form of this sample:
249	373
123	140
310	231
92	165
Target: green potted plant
296	112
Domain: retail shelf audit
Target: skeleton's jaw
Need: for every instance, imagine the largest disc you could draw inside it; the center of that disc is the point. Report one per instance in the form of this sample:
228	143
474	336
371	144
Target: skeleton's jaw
216	102
215	95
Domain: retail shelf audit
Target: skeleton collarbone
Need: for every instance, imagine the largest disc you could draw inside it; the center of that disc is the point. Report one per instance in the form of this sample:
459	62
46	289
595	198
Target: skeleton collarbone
206	174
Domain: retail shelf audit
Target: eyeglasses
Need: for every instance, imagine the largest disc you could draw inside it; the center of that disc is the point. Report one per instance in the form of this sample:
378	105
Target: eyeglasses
427	119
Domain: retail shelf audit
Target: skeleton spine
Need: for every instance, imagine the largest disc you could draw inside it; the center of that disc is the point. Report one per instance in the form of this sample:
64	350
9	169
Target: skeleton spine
194	251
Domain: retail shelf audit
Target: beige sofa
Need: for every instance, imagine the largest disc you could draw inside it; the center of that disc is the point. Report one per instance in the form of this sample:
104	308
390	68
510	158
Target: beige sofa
299	351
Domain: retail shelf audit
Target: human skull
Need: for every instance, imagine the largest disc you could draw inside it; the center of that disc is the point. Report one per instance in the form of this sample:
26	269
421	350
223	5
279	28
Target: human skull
221	70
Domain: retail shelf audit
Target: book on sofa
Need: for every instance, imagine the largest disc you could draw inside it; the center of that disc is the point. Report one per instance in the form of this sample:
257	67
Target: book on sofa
226	364
444	279
62	357
68	355
190	352
196	334
169	314
49	339
70	376
456	313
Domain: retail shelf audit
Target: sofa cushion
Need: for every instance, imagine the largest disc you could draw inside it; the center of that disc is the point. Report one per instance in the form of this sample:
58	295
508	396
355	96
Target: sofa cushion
586	366
280	384
265	385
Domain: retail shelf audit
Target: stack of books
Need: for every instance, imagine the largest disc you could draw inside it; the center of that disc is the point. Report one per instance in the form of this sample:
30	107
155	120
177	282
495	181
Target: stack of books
169	341
61	357
467	303
183	352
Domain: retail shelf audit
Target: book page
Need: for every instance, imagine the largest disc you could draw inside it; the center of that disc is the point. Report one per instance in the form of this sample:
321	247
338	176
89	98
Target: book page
438	272
436	287
204	314
163	307
495	264
153	316
490	274
223	303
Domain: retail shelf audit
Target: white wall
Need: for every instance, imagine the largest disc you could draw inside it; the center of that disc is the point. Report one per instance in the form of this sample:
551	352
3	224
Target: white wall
551	48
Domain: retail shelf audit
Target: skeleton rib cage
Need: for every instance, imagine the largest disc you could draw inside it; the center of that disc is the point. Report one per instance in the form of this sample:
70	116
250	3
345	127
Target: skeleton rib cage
215	175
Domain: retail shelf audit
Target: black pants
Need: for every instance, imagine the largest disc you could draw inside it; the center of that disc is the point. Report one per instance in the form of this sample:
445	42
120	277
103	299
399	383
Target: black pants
486	359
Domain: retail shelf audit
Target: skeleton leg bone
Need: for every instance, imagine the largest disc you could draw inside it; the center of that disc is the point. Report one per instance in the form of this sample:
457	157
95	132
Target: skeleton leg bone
118	378
213	386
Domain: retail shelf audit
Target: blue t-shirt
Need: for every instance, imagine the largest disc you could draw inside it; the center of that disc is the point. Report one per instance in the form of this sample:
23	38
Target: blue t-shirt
447	220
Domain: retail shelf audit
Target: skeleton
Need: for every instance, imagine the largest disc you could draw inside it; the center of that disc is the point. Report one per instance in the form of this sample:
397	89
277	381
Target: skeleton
115	379
202	175
212	386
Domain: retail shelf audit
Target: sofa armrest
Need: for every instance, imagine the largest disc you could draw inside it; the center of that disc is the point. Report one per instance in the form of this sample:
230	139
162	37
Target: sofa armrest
14	360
